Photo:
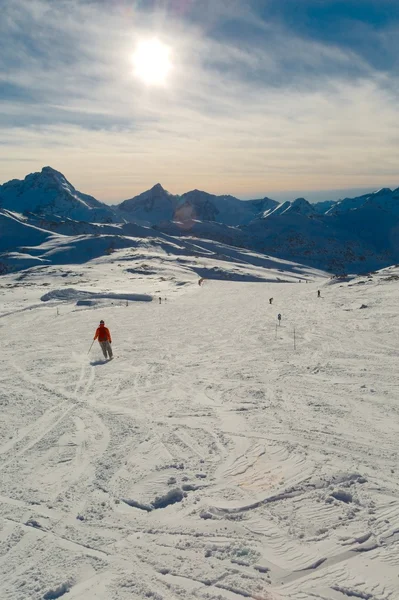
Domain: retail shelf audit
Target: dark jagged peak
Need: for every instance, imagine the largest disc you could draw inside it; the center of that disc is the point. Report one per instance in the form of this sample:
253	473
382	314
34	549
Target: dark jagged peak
382	192
158	188
157	191
264	205
299	206
53	173
278	210
197	195
156	200
266	200
227	209
302	206
197	205
324	206
382	198
385	200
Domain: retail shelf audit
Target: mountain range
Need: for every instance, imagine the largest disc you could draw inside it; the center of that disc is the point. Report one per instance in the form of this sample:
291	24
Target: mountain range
354	234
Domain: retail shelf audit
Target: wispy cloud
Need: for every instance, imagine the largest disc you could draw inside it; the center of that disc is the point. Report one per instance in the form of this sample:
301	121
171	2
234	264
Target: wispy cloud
250	107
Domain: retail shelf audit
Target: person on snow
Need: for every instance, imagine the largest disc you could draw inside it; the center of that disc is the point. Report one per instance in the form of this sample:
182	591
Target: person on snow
104	338
270	300
279	318
318	293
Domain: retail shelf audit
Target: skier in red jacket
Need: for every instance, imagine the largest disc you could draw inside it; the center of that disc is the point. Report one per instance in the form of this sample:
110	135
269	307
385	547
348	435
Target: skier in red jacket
104	338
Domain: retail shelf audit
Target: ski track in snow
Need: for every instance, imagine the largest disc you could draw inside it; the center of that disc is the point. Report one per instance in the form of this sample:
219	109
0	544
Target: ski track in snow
287	459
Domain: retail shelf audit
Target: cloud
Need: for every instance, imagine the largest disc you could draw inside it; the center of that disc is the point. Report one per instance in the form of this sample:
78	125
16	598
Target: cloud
248	114
353	25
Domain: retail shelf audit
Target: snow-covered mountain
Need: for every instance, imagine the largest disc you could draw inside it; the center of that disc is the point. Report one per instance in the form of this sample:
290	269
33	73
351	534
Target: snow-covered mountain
228	210
299	206
316	239
322	207
157	206
49	193
354	234
384	199
153	206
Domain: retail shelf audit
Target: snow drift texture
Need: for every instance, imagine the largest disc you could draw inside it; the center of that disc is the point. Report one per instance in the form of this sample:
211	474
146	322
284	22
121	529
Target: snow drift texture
210	460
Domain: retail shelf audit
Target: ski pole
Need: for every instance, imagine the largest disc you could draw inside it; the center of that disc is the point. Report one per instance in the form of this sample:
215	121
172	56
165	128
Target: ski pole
91	346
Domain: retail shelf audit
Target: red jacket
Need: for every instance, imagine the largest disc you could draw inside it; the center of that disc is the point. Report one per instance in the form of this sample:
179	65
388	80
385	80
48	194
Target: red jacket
103	334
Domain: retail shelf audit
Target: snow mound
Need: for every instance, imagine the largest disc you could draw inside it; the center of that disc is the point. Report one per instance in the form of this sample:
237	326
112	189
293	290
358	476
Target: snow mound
17	261
81	296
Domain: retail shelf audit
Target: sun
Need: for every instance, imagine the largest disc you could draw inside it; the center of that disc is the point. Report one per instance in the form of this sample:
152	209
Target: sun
152	62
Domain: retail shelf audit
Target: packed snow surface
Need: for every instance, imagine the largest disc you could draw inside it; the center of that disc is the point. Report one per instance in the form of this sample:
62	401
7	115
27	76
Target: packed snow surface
210	459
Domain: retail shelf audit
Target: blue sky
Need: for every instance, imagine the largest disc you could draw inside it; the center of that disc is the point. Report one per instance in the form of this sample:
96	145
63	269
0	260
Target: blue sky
265	97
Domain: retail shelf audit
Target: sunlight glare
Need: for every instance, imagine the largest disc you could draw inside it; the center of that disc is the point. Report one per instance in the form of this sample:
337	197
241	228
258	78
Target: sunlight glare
152	62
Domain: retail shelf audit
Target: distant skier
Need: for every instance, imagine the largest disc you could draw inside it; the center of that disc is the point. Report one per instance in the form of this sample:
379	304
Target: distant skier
104	338
270	300
279	318
318	294
160	300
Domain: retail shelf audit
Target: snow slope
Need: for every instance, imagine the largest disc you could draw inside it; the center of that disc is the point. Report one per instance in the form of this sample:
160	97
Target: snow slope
33	245
209	460
14	232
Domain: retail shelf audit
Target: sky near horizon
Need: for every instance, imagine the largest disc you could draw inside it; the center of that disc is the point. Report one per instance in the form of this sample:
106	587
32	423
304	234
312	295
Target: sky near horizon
261	97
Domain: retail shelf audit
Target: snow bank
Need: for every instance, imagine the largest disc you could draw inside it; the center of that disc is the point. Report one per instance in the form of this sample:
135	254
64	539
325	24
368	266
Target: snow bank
70	294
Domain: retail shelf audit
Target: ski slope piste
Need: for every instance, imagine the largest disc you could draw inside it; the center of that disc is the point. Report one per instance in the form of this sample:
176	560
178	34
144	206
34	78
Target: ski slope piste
210	460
